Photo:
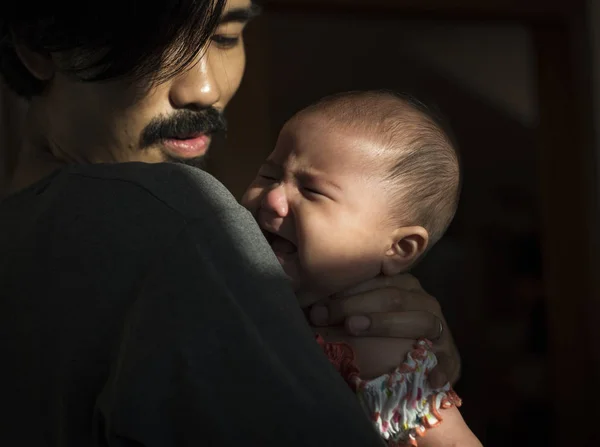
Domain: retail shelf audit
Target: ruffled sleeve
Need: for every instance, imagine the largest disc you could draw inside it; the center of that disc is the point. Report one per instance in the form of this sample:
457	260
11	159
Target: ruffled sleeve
402	405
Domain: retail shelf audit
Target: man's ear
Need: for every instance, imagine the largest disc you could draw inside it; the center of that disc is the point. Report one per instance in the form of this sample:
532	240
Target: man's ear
40	65
408	244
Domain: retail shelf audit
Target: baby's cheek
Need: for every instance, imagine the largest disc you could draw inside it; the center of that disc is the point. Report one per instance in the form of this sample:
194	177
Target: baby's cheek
249	198
326	257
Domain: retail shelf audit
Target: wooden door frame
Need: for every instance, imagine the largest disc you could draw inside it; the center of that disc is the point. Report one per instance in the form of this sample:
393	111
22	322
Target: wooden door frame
567	178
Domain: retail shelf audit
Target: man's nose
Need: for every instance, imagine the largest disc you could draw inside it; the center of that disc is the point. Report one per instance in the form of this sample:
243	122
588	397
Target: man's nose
196	88
275	201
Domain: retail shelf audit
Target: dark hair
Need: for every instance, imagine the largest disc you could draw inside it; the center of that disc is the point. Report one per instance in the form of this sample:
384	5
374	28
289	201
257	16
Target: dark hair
423	158
103	40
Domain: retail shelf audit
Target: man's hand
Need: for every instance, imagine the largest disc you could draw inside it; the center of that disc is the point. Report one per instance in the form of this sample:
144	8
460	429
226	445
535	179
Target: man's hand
396	307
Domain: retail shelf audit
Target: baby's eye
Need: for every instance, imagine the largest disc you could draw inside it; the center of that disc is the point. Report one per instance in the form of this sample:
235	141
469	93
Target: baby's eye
267	177
313	191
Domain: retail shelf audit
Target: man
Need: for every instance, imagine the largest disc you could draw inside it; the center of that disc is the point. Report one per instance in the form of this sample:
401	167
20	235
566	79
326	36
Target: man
140	304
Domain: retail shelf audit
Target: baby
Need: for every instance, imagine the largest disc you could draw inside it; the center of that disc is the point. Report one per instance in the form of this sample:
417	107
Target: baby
362	184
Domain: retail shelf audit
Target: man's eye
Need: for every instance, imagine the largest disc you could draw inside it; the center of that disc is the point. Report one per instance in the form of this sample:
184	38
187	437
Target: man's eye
226	42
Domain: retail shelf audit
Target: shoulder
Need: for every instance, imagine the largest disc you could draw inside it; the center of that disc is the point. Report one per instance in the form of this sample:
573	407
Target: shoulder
149	203
183	189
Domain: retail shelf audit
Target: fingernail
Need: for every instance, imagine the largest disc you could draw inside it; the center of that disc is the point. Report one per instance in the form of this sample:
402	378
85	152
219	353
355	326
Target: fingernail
359	323
319	315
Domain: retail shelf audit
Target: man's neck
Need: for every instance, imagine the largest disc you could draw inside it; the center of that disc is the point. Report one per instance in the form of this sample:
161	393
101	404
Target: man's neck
33	161
30	170
13	111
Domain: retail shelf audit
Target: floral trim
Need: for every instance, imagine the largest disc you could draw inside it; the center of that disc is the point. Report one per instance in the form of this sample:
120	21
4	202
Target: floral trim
402	404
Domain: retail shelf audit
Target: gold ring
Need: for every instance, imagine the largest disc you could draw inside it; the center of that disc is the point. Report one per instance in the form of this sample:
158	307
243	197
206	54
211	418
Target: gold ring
441	331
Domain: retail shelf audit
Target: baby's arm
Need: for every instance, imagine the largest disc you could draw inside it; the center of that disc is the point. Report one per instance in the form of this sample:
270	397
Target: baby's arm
374	356
452	432
400	394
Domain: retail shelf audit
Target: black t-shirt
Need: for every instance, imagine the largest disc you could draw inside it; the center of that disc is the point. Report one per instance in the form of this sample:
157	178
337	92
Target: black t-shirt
141	306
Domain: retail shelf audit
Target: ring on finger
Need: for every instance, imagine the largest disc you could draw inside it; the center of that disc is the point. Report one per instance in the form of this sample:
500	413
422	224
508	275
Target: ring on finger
440	331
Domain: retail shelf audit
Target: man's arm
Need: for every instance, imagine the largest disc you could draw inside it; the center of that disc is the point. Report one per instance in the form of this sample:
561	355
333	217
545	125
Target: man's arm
217	352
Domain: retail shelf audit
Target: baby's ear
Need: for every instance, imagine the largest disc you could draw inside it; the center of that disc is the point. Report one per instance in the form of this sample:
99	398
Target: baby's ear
407	244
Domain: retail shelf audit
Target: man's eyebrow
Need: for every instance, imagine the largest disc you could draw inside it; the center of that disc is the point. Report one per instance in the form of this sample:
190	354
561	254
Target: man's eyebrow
241	15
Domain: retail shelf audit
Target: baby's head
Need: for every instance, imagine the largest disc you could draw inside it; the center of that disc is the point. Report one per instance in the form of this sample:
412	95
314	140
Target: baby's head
359	184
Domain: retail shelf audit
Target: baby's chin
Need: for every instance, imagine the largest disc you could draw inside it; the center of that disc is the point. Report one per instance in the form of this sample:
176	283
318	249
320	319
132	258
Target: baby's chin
309	293
306	295
328	290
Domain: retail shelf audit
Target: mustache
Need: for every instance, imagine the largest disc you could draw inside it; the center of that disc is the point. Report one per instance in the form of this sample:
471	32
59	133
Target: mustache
182	125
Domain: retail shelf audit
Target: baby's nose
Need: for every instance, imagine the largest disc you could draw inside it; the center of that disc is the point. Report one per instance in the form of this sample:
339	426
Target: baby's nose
276	201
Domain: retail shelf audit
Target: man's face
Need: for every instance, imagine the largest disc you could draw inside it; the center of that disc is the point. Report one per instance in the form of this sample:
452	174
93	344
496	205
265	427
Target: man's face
120	121
320	200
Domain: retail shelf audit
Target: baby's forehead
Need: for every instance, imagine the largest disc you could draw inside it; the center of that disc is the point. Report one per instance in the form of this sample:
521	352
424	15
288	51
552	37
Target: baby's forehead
370	132
332	138
347	155
386	142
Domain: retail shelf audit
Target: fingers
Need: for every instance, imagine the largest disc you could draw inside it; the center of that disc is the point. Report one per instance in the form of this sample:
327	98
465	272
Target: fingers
448	358
306	299
337	310
411	325
374	301
448	367
387	300
395	307
404	282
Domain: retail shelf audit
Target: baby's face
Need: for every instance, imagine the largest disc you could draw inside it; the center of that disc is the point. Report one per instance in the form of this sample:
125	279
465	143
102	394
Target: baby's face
321	202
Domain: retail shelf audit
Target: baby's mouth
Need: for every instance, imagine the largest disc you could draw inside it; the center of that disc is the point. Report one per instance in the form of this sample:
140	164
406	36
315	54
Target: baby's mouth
280	245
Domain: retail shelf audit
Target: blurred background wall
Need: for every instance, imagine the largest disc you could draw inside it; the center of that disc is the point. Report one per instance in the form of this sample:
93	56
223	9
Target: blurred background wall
517	271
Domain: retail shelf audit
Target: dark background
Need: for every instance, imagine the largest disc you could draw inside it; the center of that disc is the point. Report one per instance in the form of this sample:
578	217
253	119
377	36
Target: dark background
516	273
